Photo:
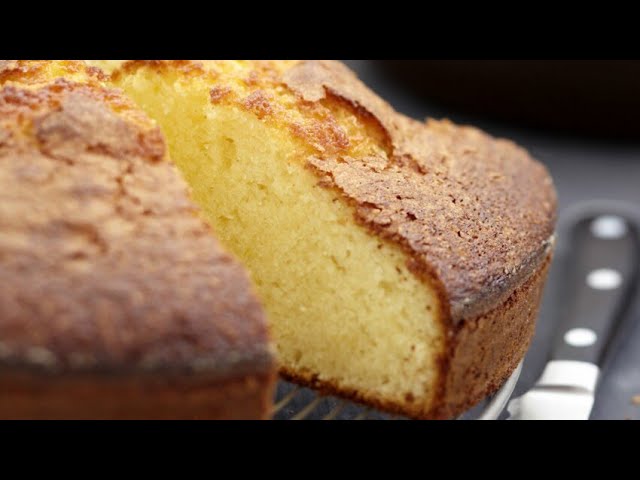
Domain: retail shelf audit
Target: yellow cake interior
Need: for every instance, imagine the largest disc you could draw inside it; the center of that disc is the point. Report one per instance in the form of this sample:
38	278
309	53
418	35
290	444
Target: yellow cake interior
341	303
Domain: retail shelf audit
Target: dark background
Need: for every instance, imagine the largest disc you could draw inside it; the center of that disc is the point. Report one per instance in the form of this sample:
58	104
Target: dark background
582	122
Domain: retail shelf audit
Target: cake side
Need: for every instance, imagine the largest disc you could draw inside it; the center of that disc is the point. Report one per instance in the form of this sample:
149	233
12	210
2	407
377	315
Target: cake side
485	350
135	397
108	271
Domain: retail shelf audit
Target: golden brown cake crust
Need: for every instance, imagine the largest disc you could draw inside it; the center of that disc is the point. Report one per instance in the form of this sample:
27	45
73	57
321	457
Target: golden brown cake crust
475	213
106	267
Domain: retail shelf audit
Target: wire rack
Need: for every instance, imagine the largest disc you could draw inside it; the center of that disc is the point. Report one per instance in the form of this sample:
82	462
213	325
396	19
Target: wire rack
298	403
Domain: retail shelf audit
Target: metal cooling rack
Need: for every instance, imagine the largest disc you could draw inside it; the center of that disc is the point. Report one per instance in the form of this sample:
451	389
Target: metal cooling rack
298	403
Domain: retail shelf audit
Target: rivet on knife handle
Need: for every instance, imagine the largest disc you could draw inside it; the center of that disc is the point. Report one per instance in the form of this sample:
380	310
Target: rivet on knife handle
599	271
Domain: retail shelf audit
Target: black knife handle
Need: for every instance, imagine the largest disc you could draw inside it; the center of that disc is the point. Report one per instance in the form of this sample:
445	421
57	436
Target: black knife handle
600	271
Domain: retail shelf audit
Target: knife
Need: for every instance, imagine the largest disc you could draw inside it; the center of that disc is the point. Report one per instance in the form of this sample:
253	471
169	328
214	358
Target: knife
599	277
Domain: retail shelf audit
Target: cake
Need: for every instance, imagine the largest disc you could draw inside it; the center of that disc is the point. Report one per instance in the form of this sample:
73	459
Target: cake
116	300
400	263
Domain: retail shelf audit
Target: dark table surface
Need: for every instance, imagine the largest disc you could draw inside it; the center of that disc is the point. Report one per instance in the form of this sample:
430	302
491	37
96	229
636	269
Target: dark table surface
583	169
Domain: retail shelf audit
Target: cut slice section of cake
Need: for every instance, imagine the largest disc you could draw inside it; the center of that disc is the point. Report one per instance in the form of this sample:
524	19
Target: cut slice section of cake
401	264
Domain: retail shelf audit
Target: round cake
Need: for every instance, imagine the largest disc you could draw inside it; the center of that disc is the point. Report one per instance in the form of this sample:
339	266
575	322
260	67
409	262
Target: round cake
400	263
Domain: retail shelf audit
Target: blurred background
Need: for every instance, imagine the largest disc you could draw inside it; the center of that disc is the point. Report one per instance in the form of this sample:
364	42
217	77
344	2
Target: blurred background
582	120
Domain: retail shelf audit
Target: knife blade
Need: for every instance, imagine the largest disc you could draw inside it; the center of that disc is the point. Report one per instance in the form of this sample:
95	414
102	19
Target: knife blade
598	278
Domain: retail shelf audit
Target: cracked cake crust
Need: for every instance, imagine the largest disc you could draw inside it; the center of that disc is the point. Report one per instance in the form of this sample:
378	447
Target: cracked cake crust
477	214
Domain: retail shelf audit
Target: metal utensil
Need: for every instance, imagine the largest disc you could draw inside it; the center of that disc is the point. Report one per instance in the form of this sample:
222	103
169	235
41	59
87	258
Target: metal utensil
600	272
